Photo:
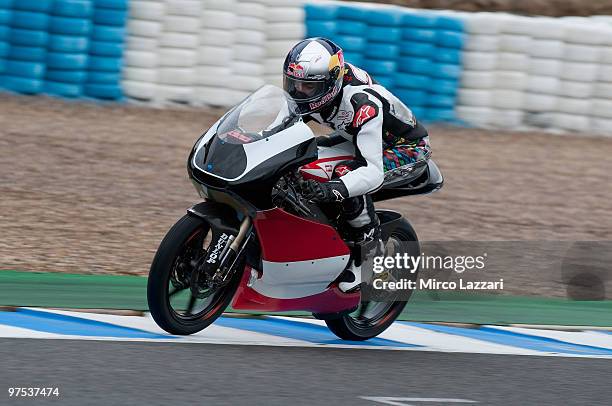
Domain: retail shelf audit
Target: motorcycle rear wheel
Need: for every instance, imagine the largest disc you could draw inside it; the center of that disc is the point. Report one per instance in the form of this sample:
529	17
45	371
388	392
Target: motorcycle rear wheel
170	280
372	318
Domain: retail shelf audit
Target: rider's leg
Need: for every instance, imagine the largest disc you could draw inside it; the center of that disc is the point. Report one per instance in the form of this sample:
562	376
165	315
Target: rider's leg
364	237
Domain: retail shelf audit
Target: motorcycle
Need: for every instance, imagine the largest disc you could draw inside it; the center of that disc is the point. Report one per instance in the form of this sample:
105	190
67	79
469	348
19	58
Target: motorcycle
255	242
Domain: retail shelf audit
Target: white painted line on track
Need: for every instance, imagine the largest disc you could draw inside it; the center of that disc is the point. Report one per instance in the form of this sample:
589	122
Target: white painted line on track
394	401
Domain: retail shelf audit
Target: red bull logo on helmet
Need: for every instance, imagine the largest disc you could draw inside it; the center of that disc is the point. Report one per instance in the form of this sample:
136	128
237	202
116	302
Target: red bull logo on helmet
296	70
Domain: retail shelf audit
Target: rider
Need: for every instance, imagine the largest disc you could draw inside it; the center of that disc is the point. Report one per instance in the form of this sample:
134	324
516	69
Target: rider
383	132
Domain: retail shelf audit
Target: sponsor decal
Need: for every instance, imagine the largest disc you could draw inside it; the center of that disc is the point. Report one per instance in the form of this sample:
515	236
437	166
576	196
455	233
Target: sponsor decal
342	170
338	195
344	118
329	96
365	113
296	70
239	136
212	258
328	168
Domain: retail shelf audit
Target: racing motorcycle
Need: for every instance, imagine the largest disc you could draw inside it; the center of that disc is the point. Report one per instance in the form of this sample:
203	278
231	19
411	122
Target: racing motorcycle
255	242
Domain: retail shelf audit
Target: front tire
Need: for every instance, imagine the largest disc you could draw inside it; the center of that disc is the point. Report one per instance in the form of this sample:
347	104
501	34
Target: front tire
372	318
170	276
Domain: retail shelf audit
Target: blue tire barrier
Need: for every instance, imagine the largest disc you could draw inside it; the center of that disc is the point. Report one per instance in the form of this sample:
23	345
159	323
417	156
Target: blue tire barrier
115	4
441	101
352	28
68	44
383	34
71	26
419	49
446	71
73	8
419	20
28	37
105	48
4	49
385	80
5	32
417	111
352	13
377	67
381	51
102	91
445	87
450	39
31	54
32	70
412	64
103	77
110	17
350	44
320	12
419	35
66	76
21	85
106	33
57	60
411	97
63	89
320	28
408	81
450	24
5	16
354	58
448	55
100	63
384	18
435	114
30	21
33	5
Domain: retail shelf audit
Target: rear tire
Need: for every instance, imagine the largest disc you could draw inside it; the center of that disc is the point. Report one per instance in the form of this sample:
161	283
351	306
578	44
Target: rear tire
355	326
183	244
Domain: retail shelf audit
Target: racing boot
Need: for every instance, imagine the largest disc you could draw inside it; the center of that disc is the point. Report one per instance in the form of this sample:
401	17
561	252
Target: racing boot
365	245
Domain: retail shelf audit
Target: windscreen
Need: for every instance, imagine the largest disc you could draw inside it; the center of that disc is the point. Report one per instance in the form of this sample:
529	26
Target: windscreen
262	114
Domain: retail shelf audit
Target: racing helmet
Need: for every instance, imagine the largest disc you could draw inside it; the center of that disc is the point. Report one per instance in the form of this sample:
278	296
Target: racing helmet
312	73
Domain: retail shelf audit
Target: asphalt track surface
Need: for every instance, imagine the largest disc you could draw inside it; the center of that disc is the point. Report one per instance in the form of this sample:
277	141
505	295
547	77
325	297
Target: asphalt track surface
113	373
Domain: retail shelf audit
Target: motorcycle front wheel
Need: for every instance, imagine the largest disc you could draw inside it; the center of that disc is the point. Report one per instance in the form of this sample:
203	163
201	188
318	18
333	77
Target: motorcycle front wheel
372	318
171	302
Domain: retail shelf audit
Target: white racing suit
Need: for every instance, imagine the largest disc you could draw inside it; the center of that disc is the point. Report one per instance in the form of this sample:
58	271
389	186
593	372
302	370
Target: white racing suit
384	135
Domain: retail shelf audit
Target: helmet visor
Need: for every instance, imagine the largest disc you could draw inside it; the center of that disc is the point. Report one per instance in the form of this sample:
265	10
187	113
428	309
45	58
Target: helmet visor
304	90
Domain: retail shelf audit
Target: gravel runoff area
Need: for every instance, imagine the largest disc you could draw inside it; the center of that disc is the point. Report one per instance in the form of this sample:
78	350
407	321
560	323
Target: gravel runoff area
93	188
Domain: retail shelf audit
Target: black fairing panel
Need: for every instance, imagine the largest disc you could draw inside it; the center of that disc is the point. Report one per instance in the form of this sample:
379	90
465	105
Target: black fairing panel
256	186
222	159
430	181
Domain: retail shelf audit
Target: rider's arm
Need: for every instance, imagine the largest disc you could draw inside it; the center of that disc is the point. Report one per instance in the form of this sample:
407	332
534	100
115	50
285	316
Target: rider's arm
366	129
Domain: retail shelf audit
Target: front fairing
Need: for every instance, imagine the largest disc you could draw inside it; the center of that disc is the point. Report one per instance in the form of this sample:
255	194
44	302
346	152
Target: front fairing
250	147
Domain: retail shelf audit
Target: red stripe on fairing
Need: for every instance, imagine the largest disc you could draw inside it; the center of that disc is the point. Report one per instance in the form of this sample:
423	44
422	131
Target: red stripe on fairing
331	300
313	165
288	238
308	175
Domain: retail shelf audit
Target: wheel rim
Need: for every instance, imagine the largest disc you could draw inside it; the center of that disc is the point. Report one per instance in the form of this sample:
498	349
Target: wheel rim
179	298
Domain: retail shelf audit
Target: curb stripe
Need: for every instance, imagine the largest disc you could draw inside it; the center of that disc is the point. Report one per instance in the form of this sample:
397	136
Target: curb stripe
70	325
301	331
519	340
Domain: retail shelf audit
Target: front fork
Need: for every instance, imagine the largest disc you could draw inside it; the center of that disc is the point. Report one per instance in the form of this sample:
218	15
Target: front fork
229	238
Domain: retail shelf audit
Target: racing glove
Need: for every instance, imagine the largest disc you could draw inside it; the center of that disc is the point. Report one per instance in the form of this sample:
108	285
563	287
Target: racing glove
324	192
